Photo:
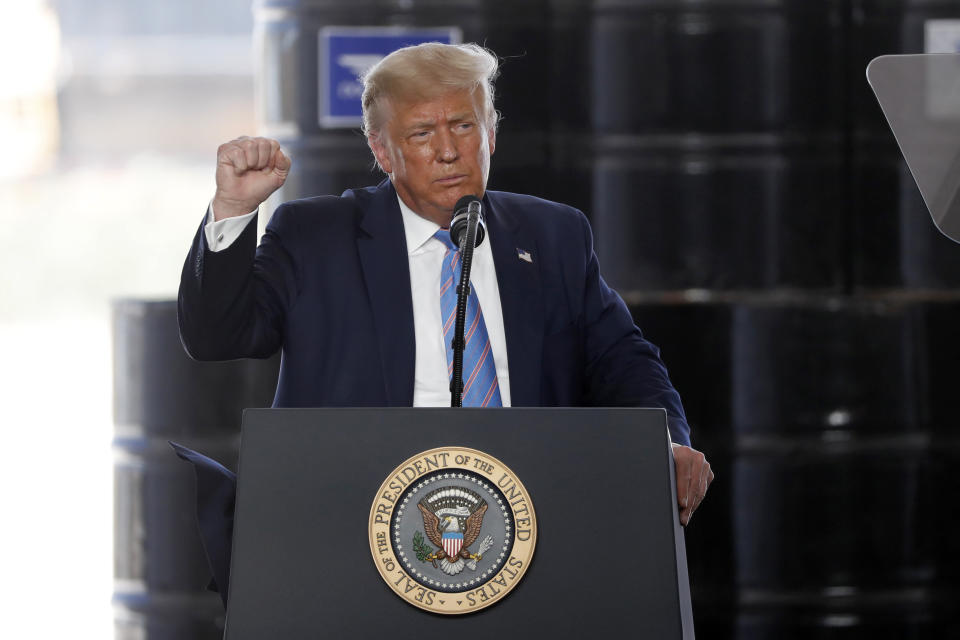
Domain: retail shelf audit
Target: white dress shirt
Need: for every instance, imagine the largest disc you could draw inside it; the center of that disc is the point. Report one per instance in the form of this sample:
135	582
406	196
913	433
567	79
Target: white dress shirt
425	258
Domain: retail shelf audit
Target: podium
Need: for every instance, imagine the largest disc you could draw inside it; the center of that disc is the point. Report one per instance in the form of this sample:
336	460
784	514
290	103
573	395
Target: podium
608	555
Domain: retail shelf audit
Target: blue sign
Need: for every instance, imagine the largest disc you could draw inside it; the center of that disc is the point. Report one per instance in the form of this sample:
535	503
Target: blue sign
347	52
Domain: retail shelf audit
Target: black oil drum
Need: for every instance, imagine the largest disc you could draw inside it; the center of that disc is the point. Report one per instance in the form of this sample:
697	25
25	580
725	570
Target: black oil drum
717	66
692	331
939	353
160	394
833	534
570	139
719	212
718	149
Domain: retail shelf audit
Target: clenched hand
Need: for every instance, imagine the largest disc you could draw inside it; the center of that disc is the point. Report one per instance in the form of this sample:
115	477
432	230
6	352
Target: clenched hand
248	171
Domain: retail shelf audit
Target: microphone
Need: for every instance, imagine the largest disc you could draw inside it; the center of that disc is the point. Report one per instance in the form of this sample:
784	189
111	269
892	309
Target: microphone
461	212
466	231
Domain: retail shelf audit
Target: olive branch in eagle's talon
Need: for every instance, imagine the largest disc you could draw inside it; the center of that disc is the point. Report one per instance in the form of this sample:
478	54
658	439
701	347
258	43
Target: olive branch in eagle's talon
423	550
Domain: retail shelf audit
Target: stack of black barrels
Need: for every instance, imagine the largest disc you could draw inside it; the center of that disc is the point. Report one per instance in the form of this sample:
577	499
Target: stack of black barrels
160	394
751	205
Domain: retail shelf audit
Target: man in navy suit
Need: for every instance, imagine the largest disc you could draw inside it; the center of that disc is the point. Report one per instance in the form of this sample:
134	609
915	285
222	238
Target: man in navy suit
350	287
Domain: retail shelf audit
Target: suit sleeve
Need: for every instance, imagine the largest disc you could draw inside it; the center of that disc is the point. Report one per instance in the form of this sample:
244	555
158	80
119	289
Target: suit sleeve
622	367
234	303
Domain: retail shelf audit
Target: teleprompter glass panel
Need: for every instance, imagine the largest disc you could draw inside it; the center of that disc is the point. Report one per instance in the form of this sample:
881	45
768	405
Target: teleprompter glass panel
920	97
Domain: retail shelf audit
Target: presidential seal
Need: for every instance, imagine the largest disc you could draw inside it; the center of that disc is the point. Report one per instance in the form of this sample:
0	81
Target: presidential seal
452	530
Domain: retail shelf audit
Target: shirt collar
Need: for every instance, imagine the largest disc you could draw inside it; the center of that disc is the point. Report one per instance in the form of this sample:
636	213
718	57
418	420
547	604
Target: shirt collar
418	230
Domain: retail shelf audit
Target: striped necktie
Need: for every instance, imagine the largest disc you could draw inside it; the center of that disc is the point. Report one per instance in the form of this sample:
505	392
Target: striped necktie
480	386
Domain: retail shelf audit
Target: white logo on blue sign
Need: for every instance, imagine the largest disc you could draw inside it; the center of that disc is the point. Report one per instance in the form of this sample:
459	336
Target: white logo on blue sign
347	52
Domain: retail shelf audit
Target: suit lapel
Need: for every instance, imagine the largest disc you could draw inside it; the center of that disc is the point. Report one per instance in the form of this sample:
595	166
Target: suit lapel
383	255
521	300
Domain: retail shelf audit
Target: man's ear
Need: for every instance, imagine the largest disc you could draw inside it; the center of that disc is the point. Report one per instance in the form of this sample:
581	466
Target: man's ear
380	153
492	139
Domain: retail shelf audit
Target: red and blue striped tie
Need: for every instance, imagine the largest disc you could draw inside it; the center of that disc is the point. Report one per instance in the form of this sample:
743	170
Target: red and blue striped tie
480	386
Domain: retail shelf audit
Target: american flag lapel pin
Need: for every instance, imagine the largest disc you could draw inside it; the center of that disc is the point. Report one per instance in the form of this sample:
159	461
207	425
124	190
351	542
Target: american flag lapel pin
524	255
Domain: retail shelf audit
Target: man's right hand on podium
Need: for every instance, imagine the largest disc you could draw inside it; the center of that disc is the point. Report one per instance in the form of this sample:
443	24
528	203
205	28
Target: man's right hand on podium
248	171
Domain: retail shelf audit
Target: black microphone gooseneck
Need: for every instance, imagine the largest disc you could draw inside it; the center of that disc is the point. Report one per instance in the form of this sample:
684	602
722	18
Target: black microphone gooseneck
467	232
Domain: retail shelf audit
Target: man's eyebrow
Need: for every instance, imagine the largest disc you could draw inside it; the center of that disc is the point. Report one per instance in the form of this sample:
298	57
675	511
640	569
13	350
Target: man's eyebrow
420	124
428	124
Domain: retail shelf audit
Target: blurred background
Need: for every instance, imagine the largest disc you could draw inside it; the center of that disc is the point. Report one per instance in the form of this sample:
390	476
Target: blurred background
747	199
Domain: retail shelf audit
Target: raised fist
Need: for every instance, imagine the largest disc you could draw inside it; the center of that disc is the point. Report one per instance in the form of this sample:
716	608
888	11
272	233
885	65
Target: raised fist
248	171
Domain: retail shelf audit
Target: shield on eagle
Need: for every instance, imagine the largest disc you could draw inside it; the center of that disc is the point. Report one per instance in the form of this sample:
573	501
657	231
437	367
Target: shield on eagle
452	543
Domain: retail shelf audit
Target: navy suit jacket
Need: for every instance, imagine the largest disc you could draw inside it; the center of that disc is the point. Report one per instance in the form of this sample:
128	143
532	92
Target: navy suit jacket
330	285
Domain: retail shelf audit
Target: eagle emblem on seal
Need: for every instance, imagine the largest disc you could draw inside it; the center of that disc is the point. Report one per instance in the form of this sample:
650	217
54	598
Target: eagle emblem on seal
452	519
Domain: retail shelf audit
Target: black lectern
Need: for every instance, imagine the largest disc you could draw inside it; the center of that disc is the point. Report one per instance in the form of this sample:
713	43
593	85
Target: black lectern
609	555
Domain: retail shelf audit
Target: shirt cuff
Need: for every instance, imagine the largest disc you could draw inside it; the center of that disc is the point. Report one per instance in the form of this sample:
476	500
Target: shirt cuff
222	233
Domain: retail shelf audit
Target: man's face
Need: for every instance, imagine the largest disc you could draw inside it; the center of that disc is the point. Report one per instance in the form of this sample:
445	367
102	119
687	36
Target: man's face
436	152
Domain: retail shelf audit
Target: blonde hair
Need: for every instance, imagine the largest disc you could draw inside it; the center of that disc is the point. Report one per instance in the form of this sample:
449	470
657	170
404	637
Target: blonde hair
426	71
